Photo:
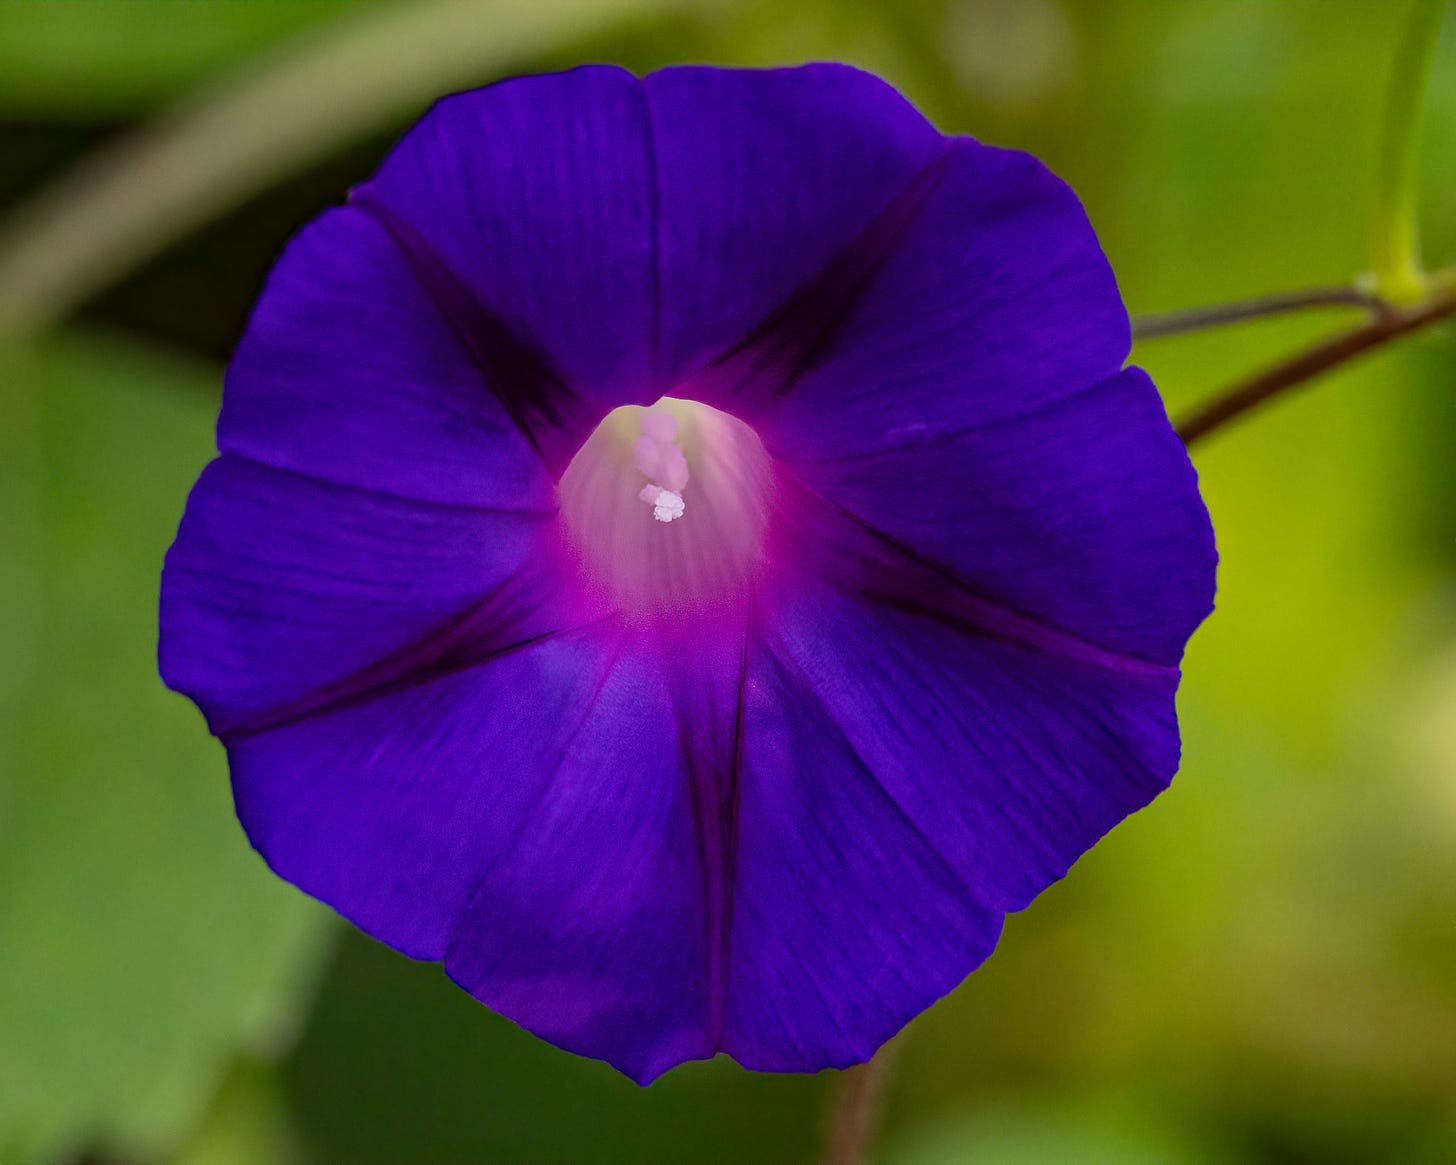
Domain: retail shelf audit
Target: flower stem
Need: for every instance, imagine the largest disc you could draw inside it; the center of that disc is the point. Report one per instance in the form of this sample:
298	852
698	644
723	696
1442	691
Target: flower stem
1324	356
1174	323
1396	244
856	1112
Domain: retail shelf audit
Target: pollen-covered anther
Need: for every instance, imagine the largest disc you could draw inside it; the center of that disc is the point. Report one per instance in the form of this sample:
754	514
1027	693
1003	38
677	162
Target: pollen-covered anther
666	505
669	505
659	457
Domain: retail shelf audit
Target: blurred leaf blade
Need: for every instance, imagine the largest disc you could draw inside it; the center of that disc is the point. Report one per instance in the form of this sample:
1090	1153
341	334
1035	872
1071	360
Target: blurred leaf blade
142	939
146	190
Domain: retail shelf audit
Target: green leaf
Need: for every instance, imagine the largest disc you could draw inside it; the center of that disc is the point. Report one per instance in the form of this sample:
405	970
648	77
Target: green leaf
142	940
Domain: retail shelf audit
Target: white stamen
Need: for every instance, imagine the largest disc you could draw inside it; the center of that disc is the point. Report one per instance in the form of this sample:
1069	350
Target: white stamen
660	458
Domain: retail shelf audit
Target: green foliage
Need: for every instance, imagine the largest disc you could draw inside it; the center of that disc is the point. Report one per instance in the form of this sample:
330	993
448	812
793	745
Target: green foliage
142	940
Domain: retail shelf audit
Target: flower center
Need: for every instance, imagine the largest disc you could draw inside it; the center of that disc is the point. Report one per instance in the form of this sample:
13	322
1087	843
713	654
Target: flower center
667	505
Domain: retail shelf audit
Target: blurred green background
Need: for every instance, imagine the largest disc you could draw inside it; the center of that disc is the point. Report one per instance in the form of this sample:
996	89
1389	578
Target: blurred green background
1260	968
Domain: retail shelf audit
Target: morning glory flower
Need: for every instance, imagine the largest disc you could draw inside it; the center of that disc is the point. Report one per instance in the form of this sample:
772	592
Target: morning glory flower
686	553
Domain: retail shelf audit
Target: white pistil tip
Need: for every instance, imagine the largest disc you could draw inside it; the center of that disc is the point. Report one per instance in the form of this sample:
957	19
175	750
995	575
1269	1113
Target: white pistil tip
667	505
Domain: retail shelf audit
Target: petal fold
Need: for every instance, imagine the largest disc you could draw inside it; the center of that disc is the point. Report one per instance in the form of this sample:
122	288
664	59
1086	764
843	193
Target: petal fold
279	585
349	373
846	920
997	300
762	178
905	785
392	809
1083	514
554	823
537	195
603	928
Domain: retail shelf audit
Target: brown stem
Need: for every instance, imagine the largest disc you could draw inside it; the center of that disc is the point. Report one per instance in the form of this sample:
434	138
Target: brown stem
1174	323
1327	354
856	1111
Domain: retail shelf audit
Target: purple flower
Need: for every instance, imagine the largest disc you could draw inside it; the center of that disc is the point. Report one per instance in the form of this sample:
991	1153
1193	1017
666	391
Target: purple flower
735	722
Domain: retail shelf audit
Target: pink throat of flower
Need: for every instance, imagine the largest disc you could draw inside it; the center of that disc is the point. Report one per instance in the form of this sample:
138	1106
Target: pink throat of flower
667	506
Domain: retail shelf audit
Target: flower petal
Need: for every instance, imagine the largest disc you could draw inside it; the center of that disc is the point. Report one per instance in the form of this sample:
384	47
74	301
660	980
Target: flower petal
552	822
996	300
279	585
602	928
846	922
970	408
1083	514
779	834
390	810
349	372
535	195
762	178
905	785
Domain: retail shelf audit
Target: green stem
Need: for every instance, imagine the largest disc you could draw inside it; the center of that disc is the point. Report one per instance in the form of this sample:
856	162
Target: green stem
1175	323
379	65
1396	243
